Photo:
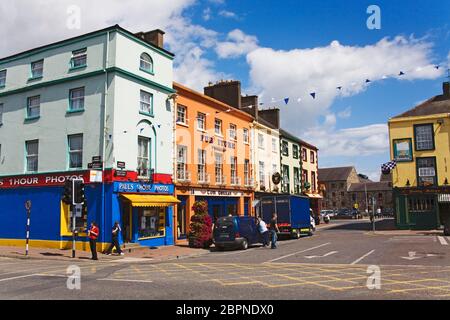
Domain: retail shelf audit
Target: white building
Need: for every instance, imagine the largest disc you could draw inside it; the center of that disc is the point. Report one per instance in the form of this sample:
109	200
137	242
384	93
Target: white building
106	93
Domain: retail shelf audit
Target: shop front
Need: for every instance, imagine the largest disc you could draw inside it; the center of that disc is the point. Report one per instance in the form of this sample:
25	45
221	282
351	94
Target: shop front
145	212
220	203
421	209
315	201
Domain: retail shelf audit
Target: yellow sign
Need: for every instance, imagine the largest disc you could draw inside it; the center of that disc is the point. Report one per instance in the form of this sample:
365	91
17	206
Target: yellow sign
356	206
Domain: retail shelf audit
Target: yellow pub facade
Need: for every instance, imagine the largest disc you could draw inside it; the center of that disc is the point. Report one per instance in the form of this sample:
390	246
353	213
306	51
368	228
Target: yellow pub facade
420	145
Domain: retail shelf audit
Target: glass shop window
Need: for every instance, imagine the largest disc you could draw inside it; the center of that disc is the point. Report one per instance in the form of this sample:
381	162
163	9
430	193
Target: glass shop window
152	222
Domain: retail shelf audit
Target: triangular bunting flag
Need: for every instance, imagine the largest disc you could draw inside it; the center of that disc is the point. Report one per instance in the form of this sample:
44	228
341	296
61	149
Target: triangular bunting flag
437	67
286	100
401	73
313	94
367	81
339	88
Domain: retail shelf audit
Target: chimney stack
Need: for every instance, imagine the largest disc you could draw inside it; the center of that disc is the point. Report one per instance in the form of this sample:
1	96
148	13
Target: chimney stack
446	89
272	116
228	92
155	37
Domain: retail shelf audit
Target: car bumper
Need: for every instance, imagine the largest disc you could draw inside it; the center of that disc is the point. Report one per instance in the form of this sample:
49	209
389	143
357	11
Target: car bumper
230	244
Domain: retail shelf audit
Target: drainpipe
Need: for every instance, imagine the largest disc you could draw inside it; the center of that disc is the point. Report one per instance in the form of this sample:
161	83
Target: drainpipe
173	97
105	67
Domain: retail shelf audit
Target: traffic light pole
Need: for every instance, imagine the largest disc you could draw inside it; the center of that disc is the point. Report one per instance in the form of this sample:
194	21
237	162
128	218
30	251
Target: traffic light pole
77	203
73	231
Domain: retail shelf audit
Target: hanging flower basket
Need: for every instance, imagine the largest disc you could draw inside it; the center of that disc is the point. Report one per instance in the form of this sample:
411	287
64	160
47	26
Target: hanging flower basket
200	235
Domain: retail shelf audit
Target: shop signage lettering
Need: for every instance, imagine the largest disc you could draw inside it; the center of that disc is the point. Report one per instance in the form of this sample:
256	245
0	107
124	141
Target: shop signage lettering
217	193
138	187
40	180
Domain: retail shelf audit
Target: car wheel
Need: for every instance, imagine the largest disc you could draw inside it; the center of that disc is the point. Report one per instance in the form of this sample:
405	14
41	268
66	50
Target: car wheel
311	231
244	245
295	235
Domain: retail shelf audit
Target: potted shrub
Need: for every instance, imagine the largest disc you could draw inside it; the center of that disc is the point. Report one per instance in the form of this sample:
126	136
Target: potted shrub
200	234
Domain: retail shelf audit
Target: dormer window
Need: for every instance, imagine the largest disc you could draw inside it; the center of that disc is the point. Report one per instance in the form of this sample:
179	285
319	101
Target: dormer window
146	63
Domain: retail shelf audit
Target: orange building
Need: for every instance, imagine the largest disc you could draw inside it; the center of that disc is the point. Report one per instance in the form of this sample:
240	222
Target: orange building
212	159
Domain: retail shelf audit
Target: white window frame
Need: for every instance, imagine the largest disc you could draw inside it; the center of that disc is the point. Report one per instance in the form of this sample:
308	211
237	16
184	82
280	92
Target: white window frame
246	136
274	145
145	107
31	156
218	167
72	152
37	67
232	132
218	127
79	99
31	107
183	111
201	167
181	162
261	174
146	65
201	119
144	158
79	58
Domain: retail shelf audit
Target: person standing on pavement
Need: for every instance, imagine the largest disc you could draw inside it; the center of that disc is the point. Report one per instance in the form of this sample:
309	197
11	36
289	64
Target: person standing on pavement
273	231
262	227
93	233
115	240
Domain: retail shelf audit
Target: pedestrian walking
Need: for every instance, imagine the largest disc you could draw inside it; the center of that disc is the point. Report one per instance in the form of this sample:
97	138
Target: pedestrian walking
273	231
115	240
262	228
93	233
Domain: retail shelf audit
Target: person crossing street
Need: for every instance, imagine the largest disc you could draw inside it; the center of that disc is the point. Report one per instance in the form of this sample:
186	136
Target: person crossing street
115	240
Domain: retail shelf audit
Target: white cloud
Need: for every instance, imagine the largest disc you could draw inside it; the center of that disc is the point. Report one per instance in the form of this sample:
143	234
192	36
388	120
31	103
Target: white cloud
298	72
228	14
360	141
238	43
346	113
28	24
206	15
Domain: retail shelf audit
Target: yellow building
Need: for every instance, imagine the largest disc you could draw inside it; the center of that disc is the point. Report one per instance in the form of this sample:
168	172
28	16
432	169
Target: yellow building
420	145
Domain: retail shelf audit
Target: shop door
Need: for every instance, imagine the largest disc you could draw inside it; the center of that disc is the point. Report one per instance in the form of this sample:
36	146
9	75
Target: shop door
126	223
181	219
216	211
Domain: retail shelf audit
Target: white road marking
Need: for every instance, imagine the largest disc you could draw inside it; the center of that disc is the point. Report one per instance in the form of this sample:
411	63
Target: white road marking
442	241
125	280
235	252
325	255
18	277
361	258
293	254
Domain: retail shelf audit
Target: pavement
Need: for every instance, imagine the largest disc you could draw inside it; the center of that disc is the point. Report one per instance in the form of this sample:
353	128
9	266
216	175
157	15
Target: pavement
343	260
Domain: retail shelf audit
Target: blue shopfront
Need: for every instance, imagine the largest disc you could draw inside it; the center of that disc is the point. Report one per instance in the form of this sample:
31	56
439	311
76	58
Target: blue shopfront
145	212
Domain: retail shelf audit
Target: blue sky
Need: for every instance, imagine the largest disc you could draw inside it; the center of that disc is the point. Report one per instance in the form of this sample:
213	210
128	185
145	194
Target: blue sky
278	49
287	25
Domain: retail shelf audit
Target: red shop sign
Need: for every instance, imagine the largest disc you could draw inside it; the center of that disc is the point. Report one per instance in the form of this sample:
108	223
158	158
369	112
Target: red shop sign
52	179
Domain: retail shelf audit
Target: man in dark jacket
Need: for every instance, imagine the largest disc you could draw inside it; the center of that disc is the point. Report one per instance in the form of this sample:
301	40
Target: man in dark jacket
274	230
115	240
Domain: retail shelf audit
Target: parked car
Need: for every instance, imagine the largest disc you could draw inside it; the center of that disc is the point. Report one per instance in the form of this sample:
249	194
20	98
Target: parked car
330	213
235	232
343	214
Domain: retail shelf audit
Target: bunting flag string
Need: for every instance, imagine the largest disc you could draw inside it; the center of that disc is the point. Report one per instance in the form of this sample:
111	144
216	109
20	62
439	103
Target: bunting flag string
367	81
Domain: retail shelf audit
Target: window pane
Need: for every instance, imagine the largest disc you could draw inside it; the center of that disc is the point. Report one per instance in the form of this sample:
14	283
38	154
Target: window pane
146	102
146	62
79	58
424	137
33	109
77	99
32	151
2	78
37	68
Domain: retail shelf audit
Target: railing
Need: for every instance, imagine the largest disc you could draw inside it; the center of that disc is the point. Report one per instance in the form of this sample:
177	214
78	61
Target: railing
203	178
249	182
220	180
235	181
183	176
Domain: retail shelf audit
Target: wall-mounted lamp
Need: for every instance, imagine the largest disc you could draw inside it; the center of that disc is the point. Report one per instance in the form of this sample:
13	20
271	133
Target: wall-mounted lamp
407	183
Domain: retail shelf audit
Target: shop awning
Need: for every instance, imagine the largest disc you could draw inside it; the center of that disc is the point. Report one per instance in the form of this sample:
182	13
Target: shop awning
314	195
141	200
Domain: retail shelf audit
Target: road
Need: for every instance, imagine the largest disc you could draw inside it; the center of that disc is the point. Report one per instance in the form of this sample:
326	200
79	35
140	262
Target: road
332	264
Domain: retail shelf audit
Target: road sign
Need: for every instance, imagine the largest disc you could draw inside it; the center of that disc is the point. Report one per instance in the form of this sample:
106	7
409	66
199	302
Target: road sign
96	159
121	164
120	173
95	165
